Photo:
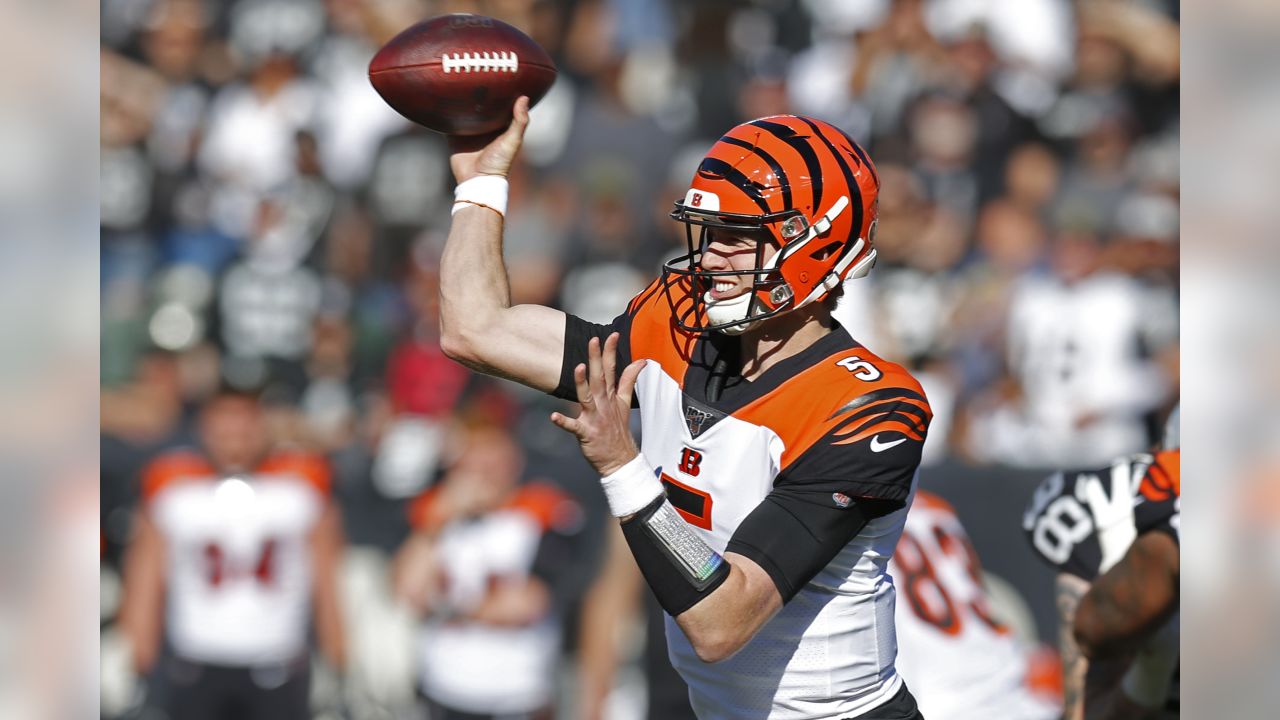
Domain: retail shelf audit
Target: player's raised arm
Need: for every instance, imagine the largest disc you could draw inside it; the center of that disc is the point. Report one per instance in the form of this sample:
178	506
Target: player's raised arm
1131	600
479	327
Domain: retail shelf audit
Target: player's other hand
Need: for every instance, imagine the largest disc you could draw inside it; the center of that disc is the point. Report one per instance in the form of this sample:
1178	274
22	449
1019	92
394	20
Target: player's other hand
603	428
489	154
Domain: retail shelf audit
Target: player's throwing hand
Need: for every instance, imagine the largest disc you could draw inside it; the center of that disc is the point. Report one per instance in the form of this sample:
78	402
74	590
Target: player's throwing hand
603	427
474	155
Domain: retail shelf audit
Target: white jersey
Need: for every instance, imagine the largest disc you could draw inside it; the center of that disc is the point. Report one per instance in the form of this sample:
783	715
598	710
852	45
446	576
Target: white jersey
482	668
828	425
238	557
960	663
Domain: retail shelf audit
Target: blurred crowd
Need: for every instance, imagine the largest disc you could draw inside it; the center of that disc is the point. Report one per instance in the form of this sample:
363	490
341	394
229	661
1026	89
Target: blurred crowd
268	222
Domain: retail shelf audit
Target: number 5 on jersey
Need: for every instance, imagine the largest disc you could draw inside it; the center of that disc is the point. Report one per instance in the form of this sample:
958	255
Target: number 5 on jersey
860	368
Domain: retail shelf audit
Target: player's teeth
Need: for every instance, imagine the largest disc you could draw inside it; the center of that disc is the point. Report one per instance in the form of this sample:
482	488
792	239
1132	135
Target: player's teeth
723	286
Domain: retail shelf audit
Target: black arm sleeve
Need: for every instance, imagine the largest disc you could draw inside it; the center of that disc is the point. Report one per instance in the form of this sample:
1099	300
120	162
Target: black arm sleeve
577	333
793	537
822	501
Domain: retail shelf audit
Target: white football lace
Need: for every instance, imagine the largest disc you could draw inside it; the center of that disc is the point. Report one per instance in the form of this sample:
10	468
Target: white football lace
480	62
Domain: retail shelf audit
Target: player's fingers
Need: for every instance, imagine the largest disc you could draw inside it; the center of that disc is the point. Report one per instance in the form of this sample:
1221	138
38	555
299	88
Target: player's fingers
581	386
520	112
514	134
610	362
595	368
627	383
566	423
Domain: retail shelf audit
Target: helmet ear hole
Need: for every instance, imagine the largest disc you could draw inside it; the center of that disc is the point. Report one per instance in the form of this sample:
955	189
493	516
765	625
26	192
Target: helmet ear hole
826	251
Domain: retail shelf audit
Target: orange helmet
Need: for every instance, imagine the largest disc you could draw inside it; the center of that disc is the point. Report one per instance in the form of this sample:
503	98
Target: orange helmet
799	183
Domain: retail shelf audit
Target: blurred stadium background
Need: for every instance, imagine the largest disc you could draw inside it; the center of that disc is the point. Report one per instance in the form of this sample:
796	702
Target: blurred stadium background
266	221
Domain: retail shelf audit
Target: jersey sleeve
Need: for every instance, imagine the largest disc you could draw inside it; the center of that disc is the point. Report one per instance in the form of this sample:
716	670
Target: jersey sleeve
647	330
792	536
313	469
170	468
577	333
1158	502
1059	527
870	450
861	468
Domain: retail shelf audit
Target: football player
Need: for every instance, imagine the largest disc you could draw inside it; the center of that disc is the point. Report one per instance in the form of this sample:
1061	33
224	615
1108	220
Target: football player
961	661
779	455
485	567
233	559
1084	523
1127	610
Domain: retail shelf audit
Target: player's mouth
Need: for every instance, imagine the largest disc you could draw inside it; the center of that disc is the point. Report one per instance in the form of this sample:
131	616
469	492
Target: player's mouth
725	289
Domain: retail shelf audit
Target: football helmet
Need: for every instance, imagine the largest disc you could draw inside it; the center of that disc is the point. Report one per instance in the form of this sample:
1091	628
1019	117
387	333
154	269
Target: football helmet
797	183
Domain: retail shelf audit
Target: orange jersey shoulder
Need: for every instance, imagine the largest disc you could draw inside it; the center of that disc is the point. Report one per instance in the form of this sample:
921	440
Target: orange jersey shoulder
172	467
848	396
926	500
654	334
1163	478
308	467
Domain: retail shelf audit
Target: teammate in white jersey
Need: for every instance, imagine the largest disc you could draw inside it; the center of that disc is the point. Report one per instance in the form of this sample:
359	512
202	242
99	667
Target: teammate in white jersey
962	663
779	455
233	557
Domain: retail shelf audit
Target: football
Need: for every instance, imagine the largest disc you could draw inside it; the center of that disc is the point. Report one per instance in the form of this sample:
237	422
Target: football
460	74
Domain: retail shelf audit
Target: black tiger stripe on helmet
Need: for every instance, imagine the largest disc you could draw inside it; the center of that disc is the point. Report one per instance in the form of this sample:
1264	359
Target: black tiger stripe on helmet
778	171
806	151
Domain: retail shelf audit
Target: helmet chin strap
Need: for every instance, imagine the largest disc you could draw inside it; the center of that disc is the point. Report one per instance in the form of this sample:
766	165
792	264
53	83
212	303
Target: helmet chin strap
730	310
735	309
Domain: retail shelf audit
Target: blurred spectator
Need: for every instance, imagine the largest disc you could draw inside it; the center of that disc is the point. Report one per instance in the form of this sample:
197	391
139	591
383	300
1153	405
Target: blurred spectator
1080	349
482	566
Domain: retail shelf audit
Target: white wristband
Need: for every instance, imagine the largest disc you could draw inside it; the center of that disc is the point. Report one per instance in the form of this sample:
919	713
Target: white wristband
630	488
488	191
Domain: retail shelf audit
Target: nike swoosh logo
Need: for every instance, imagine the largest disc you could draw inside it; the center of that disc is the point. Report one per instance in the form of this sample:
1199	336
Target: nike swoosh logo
877	446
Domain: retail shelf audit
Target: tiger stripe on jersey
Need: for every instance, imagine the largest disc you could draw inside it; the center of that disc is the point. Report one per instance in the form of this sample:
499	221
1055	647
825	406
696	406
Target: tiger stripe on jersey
811	162
889	410
771	161
824	399
1163	479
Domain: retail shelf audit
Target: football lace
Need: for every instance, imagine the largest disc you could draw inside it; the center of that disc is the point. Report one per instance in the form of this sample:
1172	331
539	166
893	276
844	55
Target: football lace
480	62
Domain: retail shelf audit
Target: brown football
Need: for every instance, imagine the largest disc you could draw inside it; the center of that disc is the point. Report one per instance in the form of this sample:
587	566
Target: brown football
460	74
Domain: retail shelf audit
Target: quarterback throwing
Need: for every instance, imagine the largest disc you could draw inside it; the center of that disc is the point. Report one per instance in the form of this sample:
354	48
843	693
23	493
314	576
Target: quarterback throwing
779	455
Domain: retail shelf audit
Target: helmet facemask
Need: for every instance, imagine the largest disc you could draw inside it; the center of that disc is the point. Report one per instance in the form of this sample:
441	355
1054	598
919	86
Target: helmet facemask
693	307
770	294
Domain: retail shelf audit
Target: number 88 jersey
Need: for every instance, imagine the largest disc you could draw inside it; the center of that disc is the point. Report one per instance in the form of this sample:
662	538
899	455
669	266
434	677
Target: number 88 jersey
1135	494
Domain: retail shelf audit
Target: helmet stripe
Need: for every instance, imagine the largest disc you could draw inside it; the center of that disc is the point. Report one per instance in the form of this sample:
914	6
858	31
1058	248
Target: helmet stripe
862	155
717	169
778	172
850	180
788	136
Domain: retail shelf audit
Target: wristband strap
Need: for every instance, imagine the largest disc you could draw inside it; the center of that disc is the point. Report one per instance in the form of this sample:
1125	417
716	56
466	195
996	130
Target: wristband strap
489	191
678	566
632	487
